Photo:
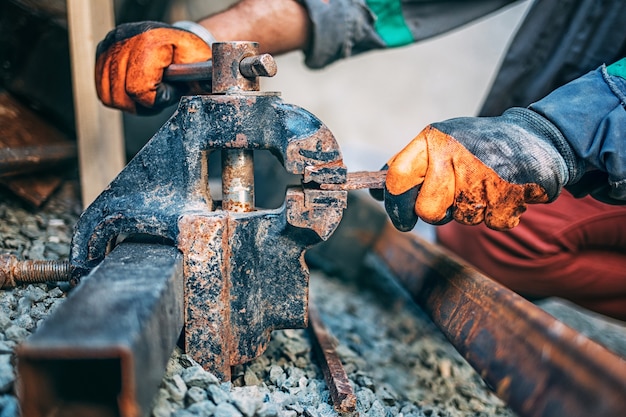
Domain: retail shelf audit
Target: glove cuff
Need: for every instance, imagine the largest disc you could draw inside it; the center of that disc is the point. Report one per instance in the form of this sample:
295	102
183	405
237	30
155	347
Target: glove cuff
197	29
545	129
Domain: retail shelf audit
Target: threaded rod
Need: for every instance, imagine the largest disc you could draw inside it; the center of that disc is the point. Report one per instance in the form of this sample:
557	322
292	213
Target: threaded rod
14	271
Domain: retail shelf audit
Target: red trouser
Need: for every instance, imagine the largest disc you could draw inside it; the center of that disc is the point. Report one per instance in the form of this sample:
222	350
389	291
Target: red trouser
572	248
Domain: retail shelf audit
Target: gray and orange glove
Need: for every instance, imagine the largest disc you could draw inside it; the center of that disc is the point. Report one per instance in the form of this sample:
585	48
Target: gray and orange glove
131	59
477	169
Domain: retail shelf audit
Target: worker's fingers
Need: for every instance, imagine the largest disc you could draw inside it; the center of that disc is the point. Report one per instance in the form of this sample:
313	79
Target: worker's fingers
400	208
110	86
152	53
437	192
408	168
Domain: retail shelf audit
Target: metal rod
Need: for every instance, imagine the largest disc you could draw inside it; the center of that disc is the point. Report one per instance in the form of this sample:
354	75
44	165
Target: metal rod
14	271
341	392
238	180
22	160
535	363
198	71
103	352
358	180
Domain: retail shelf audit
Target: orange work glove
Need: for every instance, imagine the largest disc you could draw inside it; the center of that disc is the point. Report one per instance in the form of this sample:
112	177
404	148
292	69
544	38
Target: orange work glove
130	63
477	169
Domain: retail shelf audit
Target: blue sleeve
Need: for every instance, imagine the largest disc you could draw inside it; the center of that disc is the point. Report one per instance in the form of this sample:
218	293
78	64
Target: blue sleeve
590	112
343	28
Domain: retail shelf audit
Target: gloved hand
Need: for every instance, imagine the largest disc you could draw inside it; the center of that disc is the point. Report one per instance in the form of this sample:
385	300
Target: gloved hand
130	63
477	169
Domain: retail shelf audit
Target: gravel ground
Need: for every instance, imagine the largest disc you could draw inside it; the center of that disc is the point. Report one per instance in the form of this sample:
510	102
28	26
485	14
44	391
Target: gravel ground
398	363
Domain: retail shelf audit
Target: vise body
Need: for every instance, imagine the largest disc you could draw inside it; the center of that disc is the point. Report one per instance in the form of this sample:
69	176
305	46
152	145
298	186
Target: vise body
244	269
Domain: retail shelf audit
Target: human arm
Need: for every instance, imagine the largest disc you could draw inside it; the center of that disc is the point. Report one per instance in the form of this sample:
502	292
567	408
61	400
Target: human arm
129	72
487	169
131	59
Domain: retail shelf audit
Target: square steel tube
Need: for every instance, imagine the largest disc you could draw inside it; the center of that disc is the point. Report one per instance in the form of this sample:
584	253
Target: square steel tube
103	352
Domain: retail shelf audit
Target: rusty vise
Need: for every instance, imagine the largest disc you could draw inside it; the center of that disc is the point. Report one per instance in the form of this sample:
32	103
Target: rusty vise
244	270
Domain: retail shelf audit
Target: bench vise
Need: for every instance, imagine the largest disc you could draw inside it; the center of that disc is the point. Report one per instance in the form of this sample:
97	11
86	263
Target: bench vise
244	269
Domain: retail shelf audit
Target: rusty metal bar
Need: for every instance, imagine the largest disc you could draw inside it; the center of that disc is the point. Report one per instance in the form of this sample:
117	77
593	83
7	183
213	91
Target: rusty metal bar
238	180
341	393
535	363
358	180
103	352
197	71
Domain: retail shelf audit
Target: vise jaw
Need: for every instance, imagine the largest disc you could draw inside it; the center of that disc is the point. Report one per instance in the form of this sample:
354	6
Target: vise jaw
244	269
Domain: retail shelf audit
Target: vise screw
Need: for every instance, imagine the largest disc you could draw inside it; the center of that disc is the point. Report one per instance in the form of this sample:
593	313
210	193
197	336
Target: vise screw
244	269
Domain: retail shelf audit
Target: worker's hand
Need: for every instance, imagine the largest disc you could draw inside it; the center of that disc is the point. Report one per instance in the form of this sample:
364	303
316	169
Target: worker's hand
130	63
475	169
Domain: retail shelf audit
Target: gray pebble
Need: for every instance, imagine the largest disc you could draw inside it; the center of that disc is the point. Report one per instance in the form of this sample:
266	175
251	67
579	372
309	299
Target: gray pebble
196	376
365	397
377	410
277	375
247	400
25	321
56	292
5	320
267	410
295	407
217	394
250	377
8	406
183	413
36	294
5	347
226	410
203	408
195	395
311	412
176	388
16	333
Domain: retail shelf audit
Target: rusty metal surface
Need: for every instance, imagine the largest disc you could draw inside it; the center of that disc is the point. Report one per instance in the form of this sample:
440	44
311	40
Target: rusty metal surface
34	189
535	363
204	244
341	393
29	145
227	75
359	180
104	350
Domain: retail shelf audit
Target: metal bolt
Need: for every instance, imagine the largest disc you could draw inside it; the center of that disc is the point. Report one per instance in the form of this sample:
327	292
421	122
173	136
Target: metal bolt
14	271
258	66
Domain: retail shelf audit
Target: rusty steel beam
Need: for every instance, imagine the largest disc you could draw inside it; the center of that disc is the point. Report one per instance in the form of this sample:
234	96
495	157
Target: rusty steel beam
535	363
341	393
103	352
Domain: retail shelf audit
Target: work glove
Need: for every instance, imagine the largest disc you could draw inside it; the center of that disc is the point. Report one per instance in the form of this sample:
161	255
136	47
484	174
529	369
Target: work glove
131	59
477	169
